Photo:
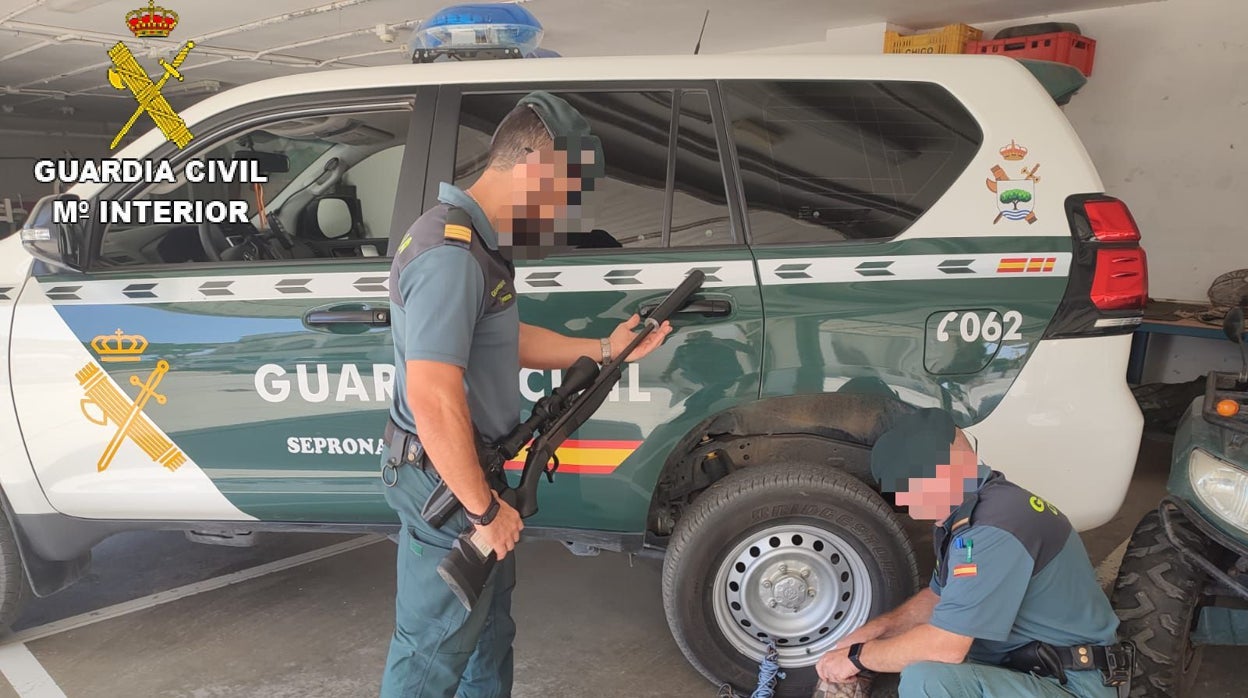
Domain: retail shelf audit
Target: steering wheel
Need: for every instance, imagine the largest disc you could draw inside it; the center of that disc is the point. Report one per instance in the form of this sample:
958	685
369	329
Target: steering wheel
217	245
213	240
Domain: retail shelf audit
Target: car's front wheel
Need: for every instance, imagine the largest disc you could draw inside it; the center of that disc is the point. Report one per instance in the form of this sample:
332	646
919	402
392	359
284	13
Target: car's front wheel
798	555
14	589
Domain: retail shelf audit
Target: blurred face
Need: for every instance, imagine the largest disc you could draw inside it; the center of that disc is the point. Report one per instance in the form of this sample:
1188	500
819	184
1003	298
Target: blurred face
934	498
546	202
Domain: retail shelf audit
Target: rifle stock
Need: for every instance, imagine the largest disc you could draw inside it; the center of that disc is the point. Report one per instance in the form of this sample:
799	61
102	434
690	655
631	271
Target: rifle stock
467	568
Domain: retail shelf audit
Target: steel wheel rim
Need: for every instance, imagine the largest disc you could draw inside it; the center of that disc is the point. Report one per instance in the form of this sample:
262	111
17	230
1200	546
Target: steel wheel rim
799	586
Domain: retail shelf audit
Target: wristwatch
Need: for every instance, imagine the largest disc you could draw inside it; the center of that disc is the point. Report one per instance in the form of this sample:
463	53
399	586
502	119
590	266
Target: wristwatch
606	350
486	518
855	651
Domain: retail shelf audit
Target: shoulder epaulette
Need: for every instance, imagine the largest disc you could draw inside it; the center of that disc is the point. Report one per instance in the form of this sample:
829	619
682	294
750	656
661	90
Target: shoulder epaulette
458	230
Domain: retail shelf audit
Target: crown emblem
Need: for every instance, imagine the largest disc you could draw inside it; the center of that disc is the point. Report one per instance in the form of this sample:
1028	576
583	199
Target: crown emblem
151	21
119	346
1013	151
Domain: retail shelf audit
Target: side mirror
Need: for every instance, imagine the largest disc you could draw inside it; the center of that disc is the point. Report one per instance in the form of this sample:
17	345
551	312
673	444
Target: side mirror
266	163
58	244
333	217
1233	325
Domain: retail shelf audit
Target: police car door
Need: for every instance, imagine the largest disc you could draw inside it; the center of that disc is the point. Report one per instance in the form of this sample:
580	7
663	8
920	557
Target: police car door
165	384
661	211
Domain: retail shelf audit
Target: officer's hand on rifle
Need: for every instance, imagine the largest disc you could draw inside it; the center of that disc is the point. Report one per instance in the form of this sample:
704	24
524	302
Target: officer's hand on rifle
623	334
503	531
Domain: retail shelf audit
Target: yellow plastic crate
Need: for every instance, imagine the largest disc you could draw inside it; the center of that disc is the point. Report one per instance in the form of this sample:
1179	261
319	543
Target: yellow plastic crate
950	39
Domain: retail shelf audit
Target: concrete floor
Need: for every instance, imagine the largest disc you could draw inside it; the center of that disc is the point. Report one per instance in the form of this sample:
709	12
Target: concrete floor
588	626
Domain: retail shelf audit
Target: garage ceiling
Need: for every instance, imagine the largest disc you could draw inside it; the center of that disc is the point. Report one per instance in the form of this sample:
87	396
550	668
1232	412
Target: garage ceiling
53	57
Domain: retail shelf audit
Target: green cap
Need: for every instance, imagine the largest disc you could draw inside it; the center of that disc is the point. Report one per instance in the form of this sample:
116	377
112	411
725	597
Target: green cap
913	447
569	129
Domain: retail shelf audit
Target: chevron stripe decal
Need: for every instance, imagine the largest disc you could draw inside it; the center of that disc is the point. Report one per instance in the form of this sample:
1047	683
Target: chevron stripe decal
578	278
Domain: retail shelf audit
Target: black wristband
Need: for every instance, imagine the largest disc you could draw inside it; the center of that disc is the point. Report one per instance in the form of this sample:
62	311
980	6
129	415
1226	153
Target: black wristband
486	518
855	651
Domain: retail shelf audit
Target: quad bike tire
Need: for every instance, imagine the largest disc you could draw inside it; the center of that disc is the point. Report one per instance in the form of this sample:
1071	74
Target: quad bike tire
1157	597
805	518
1038	28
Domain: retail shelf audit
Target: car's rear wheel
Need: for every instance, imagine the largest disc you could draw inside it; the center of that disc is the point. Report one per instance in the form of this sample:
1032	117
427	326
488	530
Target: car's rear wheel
1157	597
795	554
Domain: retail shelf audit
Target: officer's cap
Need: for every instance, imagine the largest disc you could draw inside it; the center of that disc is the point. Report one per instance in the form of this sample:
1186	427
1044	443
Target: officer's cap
569	129
913	447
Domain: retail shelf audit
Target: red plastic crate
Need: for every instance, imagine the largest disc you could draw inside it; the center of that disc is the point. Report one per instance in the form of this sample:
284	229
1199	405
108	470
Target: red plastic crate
1063	47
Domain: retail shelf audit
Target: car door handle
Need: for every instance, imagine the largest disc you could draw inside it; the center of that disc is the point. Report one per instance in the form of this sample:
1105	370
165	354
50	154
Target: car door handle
706	307
347	315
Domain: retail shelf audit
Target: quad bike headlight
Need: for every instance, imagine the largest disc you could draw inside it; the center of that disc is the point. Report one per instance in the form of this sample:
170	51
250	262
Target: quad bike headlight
1221	486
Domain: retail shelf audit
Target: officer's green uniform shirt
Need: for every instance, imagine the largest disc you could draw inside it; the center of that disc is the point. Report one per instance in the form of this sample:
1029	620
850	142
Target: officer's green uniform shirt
1011	569
454	302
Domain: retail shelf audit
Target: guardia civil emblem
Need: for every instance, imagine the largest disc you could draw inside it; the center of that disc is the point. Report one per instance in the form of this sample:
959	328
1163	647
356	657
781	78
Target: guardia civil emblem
127	74
1016	197
104	404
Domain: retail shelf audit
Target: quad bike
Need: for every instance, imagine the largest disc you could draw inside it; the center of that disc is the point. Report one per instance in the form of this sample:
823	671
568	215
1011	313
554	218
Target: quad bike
1183	584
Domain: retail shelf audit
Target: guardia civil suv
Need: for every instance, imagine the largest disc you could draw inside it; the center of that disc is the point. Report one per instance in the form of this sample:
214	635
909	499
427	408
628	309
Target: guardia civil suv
877	234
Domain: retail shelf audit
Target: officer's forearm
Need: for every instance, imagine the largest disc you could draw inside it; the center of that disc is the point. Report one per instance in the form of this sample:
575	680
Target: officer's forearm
544	349
922	643
915	611
436	393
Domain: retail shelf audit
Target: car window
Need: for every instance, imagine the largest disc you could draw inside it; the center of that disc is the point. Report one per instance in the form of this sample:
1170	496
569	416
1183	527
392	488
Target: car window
332	183
699	205
824	161
376	183
628	208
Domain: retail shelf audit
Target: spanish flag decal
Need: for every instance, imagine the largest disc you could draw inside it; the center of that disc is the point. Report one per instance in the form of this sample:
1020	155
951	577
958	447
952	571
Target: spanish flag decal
969	569
585	456
1012	265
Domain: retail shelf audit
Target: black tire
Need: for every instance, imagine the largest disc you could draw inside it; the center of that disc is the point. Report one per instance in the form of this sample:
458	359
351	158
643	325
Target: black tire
1157	598
748	503
14	589
1038	28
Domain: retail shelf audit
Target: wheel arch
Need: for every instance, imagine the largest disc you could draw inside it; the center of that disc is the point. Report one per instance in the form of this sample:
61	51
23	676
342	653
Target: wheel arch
832	429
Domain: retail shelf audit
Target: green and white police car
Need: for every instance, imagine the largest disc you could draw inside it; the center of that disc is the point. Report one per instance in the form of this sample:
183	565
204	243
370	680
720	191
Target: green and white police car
877	233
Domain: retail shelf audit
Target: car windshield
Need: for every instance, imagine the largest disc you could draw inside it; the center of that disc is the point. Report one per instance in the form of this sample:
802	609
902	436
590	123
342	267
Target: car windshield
300	154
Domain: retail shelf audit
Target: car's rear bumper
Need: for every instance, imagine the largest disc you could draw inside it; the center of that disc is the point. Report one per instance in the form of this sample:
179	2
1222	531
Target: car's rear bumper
1069	428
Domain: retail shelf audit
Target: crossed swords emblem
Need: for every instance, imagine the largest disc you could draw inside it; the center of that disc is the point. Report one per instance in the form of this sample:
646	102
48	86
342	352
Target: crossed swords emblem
126	73
114	406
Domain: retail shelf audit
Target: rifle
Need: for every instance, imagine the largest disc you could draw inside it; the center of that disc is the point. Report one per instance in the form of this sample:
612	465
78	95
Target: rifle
554	418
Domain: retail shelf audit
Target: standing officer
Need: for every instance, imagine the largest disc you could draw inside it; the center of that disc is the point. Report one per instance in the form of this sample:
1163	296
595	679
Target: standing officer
459	346
1013	590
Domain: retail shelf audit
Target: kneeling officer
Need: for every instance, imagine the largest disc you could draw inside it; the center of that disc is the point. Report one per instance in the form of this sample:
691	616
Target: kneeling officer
459	347
1013	608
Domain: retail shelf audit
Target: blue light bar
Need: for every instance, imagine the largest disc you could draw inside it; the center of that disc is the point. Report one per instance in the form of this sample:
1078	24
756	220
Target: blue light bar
479	26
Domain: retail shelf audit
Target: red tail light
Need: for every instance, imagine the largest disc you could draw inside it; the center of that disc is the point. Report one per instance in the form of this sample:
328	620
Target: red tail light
1111	221
1108	287
1121	279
